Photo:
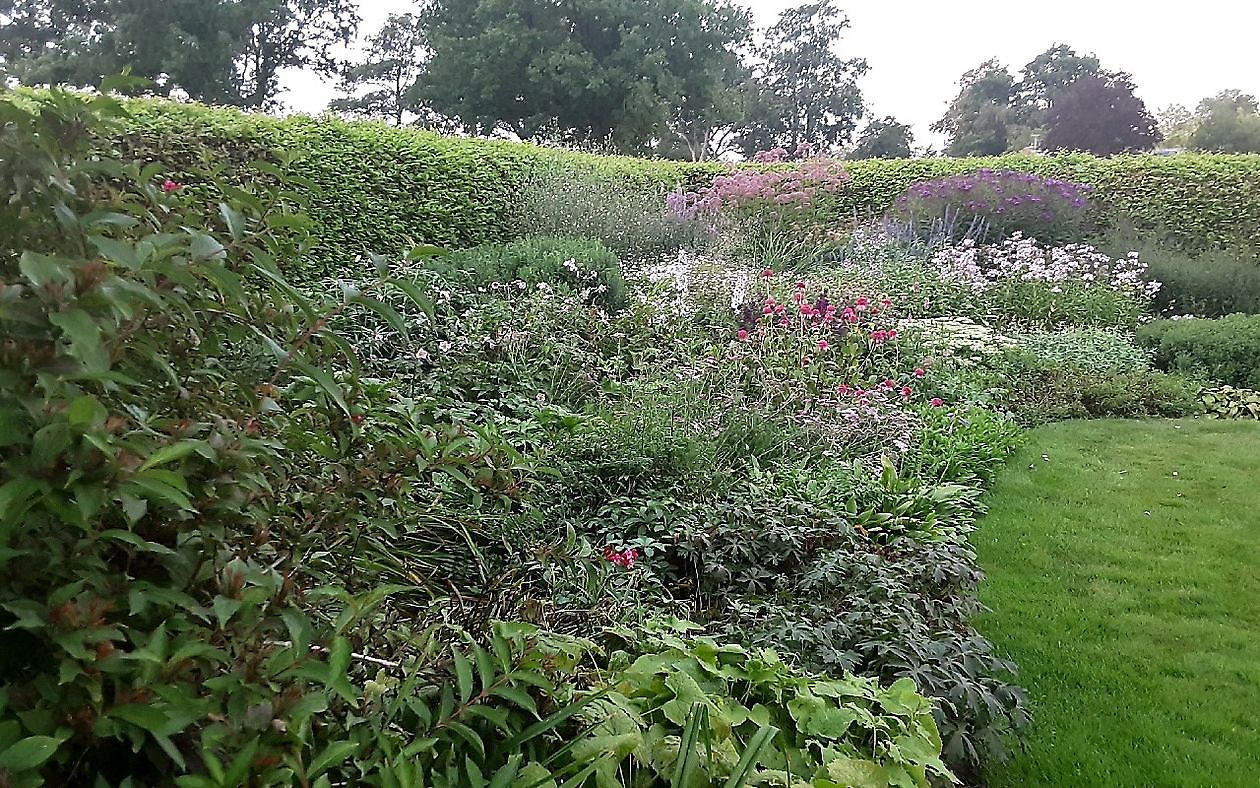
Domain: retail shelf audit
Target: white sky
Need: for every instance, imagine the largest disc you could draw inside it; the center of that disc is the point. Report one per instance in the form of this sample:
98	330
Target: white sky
918	50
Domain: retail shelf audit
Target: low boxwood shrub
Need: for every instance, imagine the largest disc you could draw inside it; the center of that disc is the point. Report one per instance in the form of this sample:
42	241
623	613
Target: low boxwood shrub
1225	350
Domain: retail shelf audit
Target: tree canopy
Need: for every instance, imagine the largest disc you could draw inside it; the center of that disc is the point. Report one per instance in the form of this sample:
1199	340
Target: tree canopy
884	138
628	73
983	118
384	83
217	52
1100	114
803	91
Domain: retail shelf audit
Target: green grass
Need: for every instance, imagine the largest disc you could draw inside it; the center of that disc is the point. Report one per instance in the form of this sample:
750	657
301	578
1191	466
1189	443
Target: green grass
1124	576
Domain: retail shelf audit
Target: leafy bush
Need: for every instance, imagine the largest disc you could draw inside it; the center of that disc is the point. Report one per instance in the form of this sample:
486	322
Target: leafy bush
1210	283
989	206
1040	394
1227	402
585	267
1094	350
561	196
747	718
1225	350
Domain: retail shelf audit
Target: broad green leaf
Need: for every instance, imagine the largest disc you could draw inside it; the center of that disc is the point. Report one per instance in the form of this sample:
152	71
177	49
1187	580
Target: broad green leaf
28	753
332	755
85	338
42	270
463	674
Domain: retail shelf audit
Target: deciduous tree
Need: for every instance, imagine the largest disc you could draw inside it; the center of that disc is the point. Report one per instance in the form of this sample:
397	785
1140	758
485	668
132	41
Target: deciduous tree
219	51
628	73
1102	115
804	91
884	138
384	83
982	120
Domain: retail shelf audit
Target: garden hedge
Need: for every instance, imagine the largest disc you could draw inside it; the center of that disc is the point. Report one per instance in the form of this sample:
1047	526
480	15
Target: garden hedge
372	186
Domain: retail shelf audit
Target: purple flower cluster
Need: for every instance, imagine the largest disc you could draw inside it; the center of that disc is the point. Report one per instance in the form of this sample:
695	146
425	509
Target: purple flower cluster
1004	200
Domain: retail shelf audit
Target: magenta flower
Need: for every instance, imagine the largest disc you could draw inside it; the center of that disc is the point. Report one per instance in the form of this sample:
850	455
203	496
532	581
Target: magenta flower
169	186
905	391
890	383
919	372
766	273
742	334
937	402
822	345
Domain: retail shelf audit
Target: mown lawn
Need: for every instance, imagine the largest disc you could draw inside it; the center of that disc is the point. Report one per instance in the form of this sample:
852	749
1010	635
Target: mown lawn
1124	577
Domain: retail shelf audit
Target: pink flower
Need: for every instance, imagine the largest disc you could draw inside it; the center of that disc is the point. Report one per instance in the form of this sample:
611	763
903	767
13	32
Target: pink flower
890	383
862	301
807	310
807	360
767	310
937	402
887	302
742	334
169	186
822	345
919	372
624	559
892	334
905	391
843	389
766	273
800	285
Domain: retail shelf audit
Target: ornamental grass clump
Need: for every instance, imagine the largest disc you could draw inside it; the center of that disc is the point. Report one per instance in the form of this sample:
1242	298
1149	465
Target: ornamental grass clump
991	205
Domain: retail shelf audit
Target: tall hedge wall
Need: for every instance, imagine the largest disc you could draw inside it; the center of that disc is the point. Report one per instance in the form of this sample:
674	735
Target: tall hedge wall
373	187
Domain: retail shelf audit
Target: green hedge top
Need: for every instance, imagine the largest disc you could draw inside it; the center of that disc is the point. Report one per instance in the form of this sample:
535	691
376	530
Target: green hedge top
373	187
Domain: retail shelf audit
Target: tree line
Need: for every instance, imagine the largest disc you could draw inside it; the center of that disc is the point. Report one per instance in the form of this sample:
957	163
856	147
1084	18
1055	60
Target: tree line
686	79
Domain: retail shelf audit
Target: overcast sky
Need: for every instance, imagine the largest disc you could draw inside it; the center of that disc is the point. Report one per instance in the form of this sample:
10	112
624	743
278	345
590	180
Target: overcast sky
918	50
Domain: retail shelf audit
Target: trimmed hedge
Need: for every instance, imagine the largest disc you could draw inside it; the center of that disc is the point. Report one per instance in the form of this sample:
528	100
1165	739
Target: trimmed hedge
373	187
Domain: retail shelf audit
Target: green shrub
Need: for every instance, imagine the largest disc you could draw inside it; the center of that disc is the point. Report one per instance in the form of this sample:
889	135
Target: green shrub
1212	284
1039	395
1209	283
1094	350
583	266
1225	350
565	197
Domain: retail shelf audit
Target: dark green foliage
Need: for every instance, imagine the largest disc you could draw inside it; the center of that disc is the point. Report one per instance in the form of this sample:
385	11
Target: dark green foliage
1228	123
981	120
383	84
804	92
1224	350
585	267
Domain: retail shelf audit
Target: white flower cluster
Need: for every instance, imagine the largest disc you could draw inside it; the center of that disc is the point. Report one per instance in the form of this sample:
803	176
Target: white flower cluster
1024	259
